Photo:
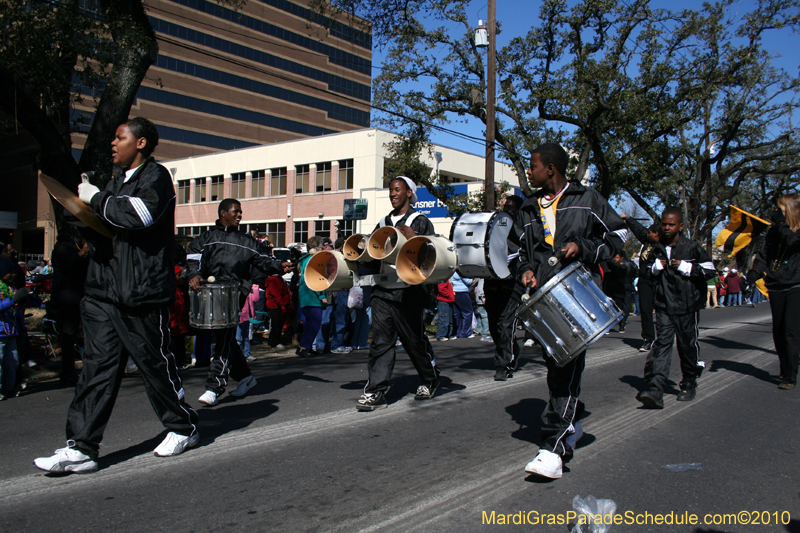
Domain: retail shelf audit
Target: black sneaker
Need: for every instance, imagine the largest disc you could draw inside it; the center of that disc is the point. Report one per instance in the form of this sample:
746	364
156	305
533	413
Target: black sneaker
370	401
502	374
652	399
647	345
688	392
622	329
426	392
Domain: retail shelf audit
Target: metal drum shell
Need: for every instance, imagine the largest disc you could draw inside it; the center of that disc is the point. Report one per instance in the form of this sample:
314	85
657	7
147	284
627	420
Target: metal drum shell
408	261
376	245
485	254
319	275
215	306
350	248
568	313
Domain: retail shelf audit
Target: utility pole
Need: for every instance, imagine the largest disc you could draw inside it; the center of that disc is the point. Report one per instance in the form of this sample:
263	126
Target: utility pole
490	100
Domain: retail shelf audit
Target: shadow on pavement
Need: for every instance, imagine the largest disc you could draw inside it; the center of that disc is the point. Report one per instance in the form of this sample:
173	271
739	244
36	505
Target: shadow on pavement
640	384
231	416
527	413
743	368
727	344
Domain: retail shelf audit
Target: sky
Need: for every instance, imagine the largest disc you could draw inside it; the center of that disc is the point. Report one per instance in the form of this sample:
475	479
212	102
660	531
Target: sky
516	16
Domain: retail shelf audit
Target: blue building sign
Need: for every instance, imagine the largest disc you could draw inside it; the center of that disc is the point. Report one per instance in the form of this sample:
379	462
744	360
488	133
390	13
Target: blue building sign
428	205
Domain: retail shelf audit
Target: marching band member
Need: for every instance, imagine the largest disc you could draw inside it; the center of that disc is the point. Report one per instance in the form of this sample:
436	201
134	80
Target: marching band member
680	276
778	263
125	310
228	254
400	312
567	220
502	302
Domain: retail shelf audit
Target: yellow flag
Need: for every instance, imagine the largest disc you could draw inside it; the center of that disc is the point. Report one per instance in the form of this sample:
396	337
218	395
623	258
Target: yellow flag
739	233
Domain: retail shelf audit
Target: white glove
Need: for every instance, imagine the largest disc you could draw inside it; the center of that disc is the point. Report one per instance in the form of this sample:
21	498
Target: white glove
86	192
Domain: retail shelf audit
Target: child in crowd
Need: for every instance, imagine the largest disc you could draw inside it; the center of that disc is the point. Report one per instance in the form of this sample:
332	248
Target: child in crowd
179	320
445	298
11	324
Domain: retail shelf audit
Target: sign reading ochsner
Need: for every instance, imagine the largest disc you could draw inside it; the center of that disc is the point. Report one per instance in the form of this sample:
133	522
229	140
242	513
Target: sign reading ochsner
430	206
355	209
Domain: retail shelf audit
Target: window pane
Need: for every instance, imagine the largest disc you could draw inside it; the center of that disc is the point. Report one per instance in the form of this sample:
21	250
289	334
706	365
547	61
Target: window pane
322	228
301	179
277	233
200	190
238	185
258	183
184	188
345	174
216	188
301	231
278	182
323	182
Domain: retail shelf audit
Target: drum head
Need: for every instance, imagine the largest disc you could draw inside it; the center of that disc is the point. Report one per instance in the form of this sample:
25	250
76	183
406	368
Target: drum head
355	248
385	243
327	271
426	259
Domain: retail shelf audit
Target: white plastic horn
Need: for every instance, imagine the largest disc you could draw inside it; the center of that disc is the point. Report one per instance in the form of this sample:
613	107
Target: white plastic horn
385	243
426	259
355	248
327	271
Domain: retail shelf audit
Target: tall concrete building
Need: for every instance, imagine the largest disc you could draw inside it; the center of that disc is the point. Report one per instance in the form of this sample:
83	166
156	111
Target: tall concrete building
269	72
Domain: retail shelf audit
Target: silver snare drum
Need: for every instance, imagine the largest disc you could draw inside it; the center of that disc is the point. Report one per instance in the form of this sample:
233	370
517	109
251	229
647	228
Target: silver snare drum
481	241
215	306
568	314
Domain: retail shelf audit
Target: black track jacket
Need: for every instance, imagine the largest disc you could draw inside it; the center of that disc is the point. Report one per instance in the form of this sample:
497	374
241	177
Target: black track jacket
227	254
135	268
677	294
778	262
584	217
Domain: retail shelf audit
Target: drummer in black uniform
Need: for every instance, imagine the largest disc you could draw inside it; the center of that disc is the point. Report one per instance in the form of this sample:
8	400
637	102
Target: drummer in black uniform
227	254
568	222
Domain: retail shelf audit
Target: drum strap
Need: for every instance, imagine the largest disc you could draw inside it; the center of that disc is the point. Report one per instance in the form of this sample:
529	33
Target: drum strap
407	220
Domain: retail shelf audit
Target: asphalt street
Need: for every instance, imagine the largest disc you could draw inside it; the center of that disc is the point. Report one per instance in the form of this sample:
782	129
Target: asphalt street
295	455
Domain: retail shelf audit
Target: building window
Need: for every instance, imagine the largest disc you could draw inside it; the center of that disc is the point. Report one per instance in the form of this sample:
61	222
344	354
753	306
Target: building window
345	174
258	184
323	177
200	190
346	228
277	185
301	231
238	185
322	228
301	179
277	233
184	188
216	188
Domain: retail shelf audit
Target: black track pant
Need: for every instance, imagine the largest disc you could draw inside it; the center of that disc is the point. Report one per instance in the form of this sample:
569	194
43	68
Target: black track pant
111	334
669	328
501	305
393	320
564	384
228	360
276	320
624	304
646	298
785	307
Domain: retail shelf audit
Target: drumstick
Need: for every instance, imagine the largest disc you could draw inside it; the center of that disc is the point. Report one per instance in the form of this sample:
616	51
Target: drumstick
527	296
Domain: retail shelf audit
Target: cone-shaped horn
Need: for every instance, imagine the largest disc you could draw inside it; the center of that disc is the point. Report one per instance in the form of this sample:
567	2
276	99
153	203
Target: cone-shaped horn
327	271
385	243
355	248
426	259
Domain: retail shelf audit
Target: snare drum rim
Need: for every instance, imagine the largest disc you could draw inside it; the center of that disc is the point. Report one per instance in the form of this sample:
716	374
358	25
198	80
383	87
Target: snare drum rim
544	289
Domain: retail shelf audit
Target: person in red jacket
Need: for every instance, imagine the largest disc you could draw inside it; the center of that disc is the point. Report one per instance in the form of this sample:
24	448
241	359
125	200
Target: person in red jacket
446	298
279	306
179	320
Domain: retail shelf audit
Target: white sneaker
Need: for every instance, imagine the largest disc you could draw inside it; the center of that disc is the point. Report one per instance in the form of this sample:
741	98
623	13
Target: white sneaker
279	347
67	459
176	444
244	386
209	397
546	464
529	343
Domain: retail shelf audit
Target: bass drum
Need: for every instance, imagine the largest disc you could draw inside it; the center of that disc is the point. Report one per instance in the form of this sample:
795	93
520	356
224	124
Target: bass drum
481	241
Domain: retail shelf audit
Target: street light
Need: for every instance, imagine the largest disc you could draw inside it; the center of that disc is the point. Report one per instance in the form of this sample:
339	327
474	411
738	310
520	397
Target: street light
487	37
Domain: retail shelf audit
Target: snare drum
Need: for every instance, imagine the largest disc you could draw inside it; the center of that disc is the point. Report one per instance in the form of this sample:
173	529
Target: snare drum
568	313
215	306
481	241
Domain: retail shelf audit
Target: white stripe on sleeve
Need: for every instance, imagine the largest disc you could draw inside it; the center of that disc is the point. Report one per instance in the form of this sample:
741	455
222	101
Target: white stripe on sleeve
141	210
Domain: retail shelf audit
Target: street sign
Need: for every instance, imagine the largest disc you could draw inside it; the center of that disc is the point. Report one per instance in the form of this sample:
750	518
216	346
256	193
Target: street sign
355	209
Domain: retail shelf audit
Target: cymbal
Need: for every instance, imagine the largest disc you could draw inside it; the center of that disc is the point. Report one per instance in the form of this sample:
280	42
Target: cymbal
75	205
